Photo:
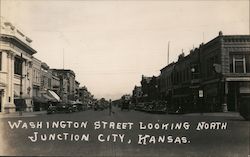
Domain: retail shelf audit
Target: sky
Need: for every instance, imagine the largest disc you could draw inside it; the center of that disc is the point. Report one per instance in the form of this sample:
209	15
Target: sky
110	44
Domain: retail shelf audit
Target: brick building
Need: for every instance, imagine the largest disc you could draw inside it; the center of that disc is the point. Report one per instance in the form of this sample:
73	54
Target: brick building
213	77
67	84
225	71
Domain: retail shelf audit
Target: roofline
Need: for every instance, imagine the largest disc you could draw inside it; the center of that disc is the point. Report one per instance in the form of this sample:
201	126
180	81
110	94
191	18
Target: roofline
222	37
65	70
33	51
169	65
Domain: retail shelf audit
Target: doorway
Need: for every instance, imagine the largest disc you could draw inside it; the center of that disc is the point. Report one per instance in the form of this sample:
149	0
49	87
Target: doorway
233	96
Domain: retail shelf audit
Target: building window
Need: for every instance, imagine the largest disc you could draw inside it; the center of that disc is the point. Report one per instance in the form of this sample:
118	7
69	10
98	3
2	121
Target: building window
240	63
210	66
18	66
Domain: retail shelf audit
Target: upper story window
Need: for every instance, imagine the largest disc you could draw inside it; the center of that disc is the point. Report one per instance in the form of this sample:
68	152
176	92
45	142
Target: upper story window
195	71
240	63
210	72
18	68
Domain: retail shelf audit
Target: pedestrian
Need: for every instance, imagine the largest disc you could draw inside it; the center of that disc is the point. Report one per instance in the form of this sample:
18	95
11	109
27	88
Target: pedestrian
110	108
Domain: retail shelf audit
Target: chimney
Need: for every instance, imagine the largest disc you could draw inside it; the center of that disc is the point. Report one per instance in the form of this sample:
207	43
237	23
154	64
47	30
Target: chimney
220	33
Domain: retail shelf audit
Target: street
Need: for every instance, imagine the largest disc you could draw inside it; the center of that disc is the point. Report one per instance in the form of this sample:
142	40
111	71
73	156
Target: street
125	133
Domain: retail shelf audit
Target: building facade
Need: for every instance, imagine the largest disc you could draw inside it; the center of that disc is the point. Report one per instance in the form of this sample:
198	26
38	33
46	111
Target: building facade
77	87
166	81
150	88
55	83
36	83
85	96
36	74
225	71
137	94
214	77
67	84
15	69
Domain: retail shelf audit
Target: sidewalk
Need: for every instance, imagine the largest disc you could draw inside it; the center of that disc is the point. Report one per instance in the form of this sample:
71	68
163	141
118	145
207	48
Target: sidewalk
219	114
24	114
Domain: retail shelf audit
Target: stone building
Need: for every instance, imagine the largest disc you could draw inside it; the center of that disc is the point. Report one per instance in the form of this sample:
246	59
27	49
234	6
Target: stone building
36	74
149	87
225	71
137	94
77	87
55	83
67	84
214	77
15	69
36	83
85	96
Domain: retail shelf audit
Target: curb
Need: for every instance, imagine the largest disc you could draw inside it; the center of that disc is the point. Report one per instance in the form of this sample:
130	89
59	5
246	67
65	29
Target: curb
216	114
24	114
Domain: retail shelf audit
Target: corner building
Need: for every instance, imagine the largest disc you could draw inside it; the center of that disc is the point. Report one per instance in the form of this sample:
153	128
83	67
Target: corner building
225	72
16	56
214	77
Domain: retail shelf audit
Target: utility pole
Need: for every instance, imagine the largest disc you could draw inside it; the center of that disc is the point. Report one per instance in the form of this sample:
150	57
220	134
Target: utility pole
21	87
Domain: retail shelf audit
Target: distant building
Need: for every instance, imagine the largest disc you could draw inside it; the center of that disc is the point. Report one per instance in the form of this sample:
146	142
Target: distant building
166	82
150	88
15	69
46	77
67	83
137	94
55	84
36	74
77	87
85	96
36	83
185	81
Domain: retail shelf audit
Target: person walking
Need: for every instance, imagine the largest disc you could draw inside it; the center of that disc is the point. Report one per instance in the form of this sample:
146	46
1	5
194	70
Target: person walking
110	107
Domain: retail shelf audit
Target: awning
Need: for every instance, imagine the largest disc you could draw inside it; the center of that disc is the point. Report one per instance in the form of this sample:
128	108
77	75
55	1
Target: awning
238	79
54	95
39	99
48	98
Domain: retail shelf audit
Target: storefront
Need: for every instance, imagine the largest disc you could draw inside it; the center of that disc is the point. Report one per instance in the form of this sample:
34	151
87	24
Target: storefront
236	91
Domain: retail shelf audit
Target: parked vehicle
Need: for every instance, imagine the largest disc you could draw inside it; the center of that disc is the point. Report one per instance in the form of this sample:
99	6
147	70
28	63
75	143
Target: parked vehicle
158	107
59	107
139	107
81	107
98	107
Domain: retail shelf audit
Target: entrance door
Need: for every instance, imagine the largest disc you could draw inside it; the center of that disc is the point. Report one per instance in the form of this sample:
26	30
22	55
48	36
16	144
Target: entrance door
233	96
